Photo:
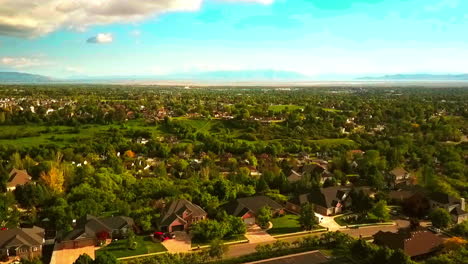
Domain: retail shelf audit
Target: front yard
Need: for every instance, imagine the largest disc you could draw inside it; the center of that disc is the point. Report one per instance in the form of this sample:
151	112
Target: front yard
285	225
145	245
353	219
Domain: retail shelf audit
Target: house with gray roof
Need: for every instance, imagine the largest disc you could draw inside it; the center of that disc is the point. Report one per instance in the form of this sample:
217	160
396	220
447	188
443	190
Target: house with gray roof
247	208
22	243
455	206
91	228
180	215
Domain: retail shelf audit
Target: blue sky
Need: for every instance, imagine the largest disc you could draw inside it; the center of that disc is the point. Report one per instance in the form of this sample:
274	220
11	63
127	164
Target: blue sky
313	37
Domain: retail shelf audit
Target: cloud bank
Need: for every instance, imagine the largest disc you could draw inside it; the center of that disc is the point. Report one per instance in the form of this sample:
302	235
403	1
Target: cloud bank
33	18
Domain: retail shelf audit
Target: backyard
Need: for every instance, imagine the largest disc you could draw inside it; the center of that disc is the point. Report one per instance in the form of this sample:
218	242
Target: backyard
145	245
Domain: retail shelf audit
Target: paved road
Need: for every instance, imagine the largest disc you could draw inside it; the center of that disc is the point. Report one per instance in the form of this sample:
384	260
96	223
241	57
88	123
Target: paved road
244	249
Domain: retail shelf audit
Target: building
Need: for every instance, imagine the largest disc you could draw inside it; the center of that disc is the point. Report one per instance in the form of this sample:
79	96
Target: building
456	207
249	207
17	177
22	242
399	176
413	243
327	201
90	230
316	168
180	215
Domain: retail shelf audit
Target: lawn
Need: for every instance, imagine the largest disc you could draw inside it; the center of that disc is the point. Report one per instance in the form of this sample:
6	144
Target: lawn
280	108
145	246
335	142
285	225
225	240
350	219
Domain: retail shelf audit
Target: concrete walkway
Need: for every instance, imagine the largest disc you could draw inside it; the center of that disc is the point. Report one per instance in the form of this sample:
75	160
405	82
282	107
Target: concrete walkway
329	222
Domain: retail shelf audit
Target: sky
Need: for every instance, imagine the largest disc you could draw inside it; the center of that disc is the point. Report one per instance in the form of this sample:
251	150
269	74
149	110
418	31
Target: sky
63	38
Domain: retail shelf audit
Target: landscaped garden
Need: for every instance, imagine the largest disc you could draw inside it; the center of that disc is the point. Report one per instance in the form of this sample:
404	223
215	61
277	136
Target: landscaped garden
285	224
144	245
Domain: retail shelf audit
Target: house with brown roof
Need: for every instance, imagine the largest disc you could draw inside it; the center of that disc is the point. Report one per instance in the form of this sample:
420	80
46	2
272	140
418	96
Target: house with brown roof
400	176
318	168
414	243
180	215
22	243
248	208
17	177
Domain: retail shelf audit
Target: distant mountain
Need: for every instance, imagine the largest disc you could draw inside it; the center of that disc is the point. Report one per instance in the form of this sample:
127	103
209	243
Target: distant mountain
421	77
19	77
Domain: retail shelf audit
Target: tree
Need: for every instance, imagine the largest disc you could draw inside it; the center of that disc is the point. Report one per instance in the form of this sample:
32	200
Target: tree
84	259
208	230
380	211
54	179
264	216
105	258
454	243
461	229
307	217
236	226
217	249
440	218
131	240
399	257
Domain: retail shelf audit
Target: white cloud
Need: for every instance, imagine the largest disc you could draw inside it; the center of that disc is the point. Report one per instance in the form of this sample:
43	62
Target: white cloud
21	62
32	18
101	38
136	33
74	69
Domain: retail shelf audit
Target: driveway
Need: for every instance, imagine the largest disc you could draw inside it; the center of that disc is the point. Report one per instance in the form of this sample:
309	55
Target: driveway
329	222
68	256
256	235
182	243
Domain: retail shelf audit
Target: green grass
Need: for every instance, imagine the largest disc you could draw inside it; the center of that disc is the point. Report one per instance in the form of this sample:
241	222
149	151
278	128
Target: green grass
333	142
145	246
280	108
285	225
35	135
225	240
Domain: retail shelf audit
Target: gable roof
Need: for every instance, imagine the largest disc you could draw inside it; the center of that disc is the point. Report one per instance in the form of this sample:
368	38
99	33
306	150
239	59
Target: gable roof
176	210
413	243
444	198
92	225
253	204
399	172
327	197
22	237
18	177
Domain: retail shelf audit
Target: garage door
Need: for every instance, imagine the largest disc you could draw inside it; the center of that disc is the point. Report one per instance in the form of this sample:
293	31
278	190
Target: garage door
249	221
177	228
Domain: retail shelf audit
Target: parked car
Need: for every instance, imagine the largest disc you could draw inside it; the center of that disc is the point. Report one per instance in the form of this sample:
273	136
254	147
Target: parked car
434	229
163	236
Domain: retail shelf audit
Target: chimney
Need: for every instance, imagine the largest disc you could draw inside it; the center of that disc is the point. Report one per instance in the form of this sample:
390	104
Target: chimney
462	204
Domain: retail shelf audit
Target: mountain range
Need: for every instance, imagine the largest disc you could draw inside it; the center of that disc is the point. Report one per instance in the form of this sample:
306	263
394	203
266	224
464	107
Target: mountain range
226	76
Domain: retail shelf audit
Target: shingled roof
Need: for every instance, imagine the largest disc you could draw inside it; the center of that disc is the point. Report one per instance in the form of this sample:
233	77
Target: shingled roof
91	225
176	210
18	177
413	243
444	198
21	237
253	204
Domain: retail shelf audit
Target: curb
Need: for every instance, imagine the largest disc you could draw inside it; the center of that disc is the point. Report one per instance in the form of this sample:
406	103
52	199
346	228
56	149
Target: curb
300	233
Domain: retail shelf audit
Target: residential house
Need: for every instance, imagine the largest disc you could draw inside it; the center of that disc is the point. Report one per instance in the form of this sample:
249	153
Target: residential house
180	215
22	243
414	243
456	207
327	201
399	176
17	177
317	168
249	207
90	230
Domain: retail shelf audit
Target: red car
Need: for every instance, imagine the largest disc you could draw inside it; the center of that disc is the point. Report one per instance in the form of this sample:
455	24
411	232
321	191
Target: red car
163	236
